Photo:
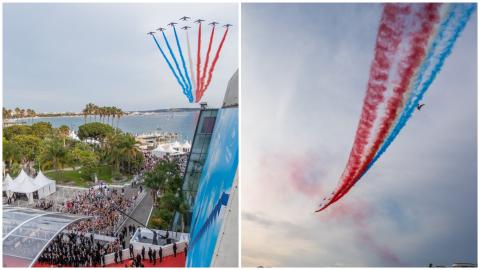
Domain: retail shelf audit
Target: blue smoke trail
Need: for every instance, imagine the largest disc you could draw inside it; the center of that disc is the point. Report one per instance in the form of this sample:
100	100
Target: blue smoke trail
456	27
189	89
184	85
168	62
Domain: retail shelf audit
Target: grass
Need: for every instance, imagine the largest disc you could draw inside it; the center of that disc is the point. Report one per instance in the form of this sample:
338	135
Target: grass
104	173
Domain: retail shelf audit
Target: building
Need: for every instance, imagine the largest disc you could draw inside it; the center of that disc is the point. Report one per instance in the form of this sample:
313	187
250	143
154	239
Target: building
214	221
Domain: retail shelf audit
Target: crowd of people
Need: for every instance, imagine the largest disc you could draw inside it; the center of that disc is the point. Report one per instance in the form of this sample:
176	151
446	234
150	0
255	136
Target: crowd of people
150	160
102	204
77	250
44	204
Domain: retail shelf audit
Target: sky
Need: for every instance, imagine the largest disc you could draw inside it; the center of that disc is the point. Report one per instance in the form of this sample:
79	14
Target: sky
304	74
59	57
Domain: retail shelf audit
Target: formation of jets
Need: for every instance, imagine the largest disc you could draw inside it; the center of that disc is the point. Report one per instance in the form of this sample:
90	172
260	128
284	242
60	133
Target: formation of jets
186	18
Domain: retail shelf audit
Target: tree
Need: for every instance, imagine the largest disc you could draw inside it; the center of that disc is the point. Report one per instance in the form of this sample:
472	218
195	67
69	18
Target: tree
11	131
11	153
163	173
42	129
28	146
53	154
97	131
64	131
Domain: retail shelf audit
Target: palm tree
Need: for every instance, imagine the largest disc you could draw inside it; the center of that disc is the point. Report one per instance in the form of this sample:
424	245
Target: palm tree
120	113
54	154
64	131
17	112
85	112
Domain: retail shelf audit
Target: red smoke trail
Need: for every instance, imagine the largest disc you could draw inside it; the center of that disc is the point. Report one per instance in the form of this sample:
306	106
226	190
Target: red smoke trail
428	16
389	37
199	93
214	62
199	45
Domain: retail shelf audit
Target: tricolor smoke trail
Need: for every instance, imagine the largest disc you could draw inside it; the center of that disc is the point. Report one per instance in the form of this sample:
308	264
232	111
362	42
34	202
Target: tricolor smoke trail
199	61
189	82
166	60
190	62
184	83
214	62
205	66
428	37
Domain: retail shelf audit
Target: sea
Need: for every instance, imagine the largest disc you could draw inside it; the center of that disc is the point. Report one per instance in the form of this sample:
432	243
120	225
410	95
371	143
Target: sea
182	123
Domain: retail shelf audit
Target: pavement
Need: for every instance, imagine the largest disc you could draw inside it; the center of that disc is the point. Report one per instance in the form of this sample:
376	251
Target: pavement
141	213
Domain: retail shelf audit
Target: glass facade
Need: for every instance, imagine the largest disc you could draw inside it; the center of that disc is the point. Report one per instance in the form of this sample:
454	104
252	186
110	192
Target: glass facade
27	232
196	161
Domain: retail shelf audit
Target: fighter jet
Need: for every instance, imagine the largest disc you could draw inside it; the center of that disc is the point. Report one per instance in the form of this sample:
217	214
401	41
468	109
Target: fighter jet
184	18
161	29
213	23
185	27
228	25
199	21
150	33
172	24
419	106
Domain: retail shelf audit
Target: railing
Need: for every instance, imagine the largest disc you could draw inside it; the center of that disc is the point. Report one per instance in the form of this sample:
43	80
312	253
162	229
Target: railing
129	211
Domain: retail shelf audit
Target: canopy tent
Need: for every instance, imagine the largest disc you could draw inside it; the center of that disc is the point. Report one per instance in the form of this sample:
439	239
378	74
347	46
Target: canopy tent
73	135
23	184
7	182
46	185
163	150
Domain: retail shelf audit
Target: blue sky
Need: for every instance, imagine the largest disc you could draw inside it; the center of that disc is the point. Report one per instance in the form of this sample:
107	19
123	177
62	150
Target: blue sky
304	73
58	57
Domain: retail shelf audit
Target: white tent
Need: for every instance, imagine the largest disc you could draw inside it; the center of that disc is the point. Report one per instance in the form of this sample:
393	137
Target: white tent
73	135
7	182
164	149
46	185
24	184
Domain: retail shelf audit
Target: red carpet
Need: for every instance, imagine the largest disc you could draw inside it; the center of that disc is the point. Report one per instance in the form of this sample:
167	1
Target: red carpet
169	261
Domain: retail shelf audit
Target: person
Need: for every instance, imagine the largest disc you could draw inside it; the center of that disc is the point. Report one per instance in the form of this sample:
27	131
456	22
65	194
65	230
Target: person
139	259
130	247
160	254
186	249
120	255
154	254
116	257
150	254
174	249
143	253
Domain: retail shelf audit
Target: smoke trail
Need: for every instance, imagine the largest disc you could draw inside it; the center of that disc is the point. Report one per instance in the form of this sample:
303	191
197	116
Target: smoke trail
199	44
168	62
389	36
441	46
190	62
184	85
214	62
427	19
189	82
454	23
199	93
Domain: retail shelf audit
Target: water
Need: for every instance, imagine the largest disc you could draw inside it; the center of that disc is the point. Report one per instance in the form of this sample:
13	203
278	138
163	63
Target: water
182	123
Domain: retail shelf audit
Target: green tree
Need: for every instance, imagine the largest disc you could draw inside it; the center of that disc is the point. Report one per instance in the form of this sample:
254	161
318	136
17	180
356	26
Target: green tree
97	131
11	131
53	154
64	131
11	153
42	129
28	146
